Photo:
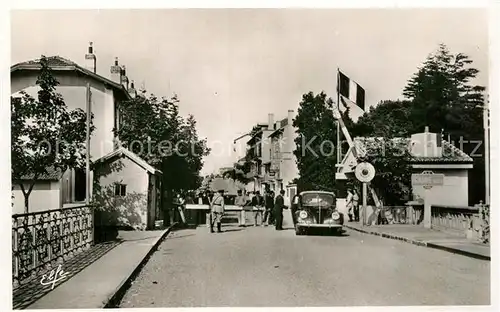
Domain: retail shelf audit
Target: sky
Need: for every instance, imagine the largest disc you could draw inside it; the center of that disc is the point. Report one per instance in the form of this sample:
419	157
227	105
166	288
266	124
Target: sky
232	67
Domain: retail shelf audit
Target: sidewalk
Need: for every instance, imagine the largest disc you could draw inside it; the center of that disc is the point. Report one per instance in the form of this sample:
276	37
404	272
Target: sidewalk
100	284
418	235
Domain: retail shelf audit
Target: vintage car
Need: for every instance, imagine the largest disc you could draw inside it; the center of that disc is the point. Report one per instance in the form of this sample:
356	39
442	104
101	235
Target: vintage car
316	209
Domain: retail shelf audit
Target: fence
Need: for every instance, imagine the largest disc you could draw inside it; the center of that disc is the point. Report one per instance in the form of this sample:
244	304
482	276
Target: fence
400	215
41	239
465	221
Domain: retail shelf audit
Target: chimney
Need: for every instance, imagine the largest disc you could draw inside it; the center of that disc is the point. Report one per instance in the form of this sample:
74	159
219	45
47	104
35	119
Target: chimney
116	72
90	59
270	121
290	116
131	90
426	129
124	78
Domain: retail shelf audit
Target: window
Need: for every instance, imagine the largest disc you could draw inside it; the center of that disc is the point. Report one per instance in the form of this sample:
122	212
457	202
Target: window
120	189
80	185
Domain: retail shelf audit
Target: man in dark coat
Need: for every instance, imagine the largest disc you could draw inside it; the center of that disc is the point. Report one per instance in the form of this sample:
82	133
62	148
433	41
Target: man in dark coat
269	213
279	205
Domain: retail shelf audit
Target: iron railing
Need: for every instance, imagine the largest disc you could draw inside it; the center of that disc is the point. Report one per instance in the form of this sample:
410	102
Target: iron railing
42	239
455	219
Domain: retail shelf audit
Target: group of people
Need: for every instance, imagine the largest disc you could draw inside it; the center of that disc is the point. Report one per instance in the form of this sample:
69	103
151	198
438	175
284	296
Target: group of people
267	209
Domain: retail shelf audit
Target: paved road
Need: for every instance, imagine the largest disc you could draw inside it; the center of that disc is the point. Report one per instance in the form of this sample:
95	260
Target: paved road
257	267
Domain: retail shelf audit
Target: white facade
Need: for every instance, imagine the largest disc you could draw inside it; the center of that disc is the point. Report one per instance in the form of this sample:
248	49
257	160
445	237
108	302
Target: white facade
129	209
44	196
73	90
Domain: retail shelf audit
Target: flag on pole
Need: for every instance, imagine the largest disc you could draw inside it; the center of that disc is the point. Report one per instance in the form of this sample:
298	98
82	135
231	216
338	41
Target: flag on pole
350	90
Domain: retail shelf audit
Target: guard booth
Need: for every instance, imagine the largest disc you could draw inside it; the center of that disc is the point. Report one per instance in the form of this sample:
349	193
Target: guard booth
291	191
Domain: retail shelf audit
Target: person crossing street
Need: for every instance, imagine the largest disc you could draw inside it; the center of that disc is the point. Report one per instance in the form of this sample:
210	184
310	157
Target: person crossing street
217	205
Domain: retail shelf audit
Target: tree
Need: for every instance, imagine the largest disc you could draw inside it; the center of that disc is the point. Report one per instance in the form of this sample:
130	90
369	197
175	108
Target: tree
173	145
388	125
439	95
45	135
391	159
315	152
388	119
443	97
239	172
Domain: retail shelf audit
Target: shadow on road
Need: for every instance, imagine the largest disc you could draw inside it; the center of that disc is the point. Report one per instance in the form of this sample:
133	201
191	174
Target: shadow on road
231	230
324	232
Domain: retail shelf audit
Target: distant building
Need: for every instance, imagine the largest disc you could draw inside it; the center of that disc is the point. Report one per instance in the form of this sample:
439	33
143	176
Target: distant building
270	150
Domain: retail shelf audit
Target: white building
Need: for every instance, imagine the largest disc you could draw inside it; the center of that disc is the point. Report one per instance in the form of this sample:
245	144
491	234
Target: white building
58	189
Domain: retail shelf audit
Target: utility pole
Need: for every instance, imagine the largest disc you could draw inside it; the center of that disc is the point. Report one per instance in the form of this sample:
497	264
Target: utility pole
87	159
486	125
338	123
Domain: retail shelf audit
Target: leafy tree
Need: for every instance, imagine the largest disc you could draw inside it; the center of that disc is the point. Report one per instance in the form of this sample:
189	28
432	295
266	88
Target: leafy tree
443	97
388	119
315	152
439	95
391	159
239	172
45	135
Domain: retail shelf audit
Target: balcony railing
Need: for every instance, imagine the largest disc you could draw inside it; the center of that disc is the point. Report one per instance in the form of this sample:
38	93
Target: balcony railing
42	239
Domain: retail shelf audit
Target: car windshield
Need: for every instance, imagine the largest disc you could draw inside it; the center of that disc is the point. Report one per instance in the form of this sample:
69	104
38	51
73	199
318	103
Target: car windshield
312	199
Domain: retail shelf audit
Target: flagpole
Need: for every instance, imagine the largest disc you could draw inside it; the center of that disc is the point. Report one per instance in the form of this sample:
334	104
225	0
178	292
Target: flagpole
486	125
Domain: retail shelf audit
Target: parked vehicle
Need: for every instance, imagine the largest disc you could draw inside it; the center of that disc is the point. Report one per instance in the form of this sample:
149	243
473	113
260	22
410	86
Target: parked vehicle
316	209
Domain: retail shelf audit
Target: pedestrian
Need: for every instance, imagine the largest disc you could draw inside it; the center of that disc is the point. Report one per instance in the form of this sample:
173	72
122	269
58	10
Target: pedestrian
269	204
210	197
355	205
349	204
241	201
217	211
278	210
180	203
257	204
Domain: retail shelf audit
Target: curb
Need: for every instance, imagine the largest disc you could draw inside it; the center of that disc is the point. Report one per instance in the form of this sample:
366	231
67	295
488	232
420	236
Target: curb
114	299
421	243
459	252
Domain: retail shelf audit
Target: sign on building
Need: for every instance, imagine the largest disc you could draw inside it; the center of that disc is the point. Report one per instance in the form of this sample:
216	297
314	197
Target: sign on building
426	179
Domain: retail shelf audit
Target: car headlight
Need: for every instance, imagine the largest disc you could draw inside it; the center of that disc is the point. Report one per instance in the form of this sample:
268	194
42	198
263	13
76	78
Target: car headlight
335	215
303	214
